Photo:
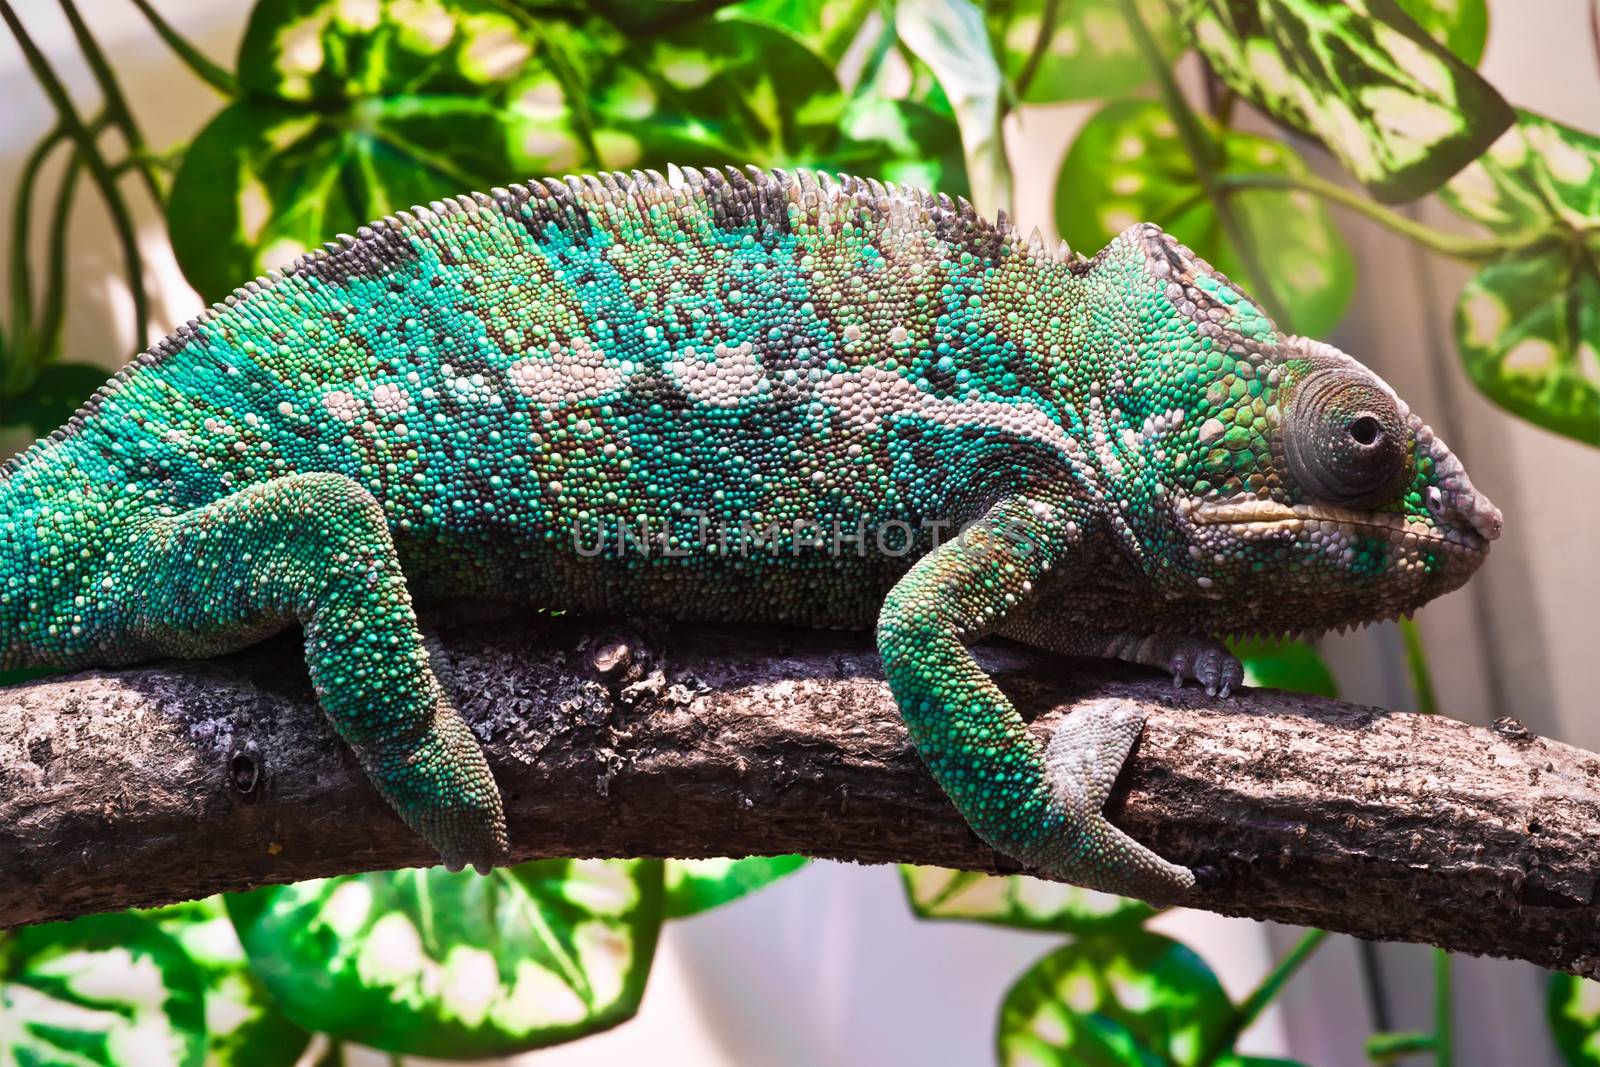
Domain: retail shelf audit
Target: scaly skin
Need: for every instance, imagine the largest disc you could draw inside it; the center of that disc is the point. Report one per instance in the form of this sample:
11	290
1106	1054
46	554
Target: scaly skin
479	398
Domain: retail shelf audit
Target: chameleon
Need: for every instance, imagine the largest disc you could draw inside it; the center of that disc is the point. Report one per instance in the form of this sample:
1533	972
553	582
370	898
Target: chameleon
738	395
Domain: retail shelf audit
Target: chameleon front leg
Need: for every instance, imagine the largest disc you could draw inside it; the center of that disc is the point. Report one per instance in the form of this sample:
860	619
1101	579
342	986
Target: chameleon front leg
1044	808
315	548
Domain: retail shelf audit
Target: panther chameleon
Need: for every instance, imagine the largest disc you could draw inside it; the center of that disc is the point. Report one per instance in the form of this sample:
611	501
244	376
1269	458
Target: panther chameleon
566	394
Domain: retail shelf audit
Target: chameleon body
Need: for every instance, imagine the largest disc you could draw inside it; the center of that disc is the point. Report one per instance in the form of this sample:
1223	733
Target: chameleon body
737	396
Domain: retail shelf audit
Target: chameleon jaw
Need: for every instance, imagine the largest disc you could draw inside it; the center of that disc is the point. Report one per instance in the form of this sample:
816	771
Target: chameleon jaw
1255	516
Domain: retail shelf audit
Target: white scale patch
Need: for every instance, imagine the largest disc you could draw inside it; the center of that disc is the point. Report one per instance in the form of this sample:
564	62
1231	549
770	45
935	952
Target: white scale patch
390	399
572	373
342	405
722	377
868	396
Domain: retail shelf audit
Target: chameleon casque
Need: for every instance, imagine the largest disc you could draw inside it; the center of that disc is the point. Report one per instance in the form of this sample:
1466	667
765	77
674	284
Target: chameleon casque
481	397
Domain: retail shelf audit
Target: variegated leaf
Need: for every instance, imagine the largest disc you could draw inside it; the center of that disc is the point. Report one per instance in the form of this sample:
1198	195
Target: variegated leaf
1573	1009
693	886
1134	998
728	92
1127	166
244	1026
1528	325
1016	901
1460	25
101	991
1088	51
827	27
430	963
354	111
732	92
900	141
1400	110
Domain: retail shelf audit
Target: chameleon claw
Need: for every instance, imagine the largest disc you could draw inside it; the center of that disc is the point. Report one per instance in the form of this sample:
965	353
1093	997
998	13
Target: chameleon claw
1206	661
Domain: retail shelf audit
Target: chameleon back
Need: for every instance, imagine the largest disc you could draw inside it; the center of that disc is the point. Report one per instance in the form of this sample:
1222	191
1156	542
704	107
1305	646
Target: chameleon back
644	381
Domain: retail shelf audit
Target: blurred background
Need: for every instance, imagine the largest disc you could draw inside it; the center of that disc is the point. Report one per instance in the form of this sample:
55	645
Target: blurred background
231	137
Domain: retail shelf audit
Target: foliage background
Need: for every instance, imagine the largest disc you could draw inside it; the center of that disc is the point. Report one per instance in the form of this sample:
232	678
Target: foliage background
300	155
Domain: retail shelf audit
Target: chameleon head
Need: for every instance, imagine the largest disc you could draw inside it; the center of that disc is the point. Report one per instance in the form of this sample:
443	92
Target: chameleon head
1304	495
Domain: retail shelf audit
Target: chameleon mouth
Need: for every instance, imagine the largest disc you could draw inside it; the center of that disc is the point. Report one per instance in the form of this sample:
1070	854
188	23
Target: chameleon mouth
1268	517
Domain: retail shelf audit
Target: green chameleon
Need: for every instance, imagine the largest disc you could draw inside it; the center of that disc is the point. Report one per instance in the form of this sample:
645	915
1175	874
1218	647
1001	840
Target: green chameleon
737	396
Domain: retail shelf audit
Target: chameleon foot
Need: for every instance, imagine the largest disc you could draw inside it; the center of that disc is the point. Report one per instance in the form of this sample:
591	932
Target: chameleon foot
1083	758
1206	661
443	788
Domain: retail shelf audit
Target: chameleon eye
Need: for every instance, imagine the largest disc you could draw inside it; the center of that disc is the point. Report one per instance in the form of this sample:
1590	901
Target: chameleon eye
1345	440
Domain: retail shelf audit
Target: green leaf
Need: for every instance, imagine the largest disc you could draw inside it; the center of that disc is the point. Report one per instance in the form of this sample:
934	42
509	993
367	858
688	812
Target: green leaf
1398	108
355	111
1293	665
1132	998
244	1027
1528	324
694	886
736	92
1541	177
1460	25
951	38
827	27
717	93
721	92
1017	901
1526	327
331	52
1127	166
430	963
26	674
102	990
1573	1008
900	141
57	392
1089	53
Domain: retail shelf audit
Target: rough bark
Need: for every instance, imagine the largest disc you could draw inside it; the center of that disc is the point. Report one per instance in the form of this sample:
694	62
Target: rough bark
176	780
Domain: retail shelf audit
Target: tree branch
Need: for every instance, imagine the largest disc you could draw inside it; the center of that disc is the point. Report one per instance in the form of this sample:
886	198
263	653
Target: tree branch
178	780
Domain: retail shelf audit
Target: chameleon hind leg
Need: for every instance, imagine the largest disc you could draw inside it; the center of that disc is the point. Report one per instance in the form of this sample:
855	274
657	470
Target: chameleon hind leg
315	548
1184	656
1044	808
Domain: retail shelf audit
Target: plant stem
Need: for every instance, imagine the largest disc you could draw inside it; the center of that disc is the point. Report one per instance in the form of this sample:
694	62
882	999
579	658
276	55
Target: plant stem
55	292
89	153
1200	148
116	105
1444	1034
1041	45
1417	668
1386	1047
21	225
1422	689
201	67
1471	249
1264	994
